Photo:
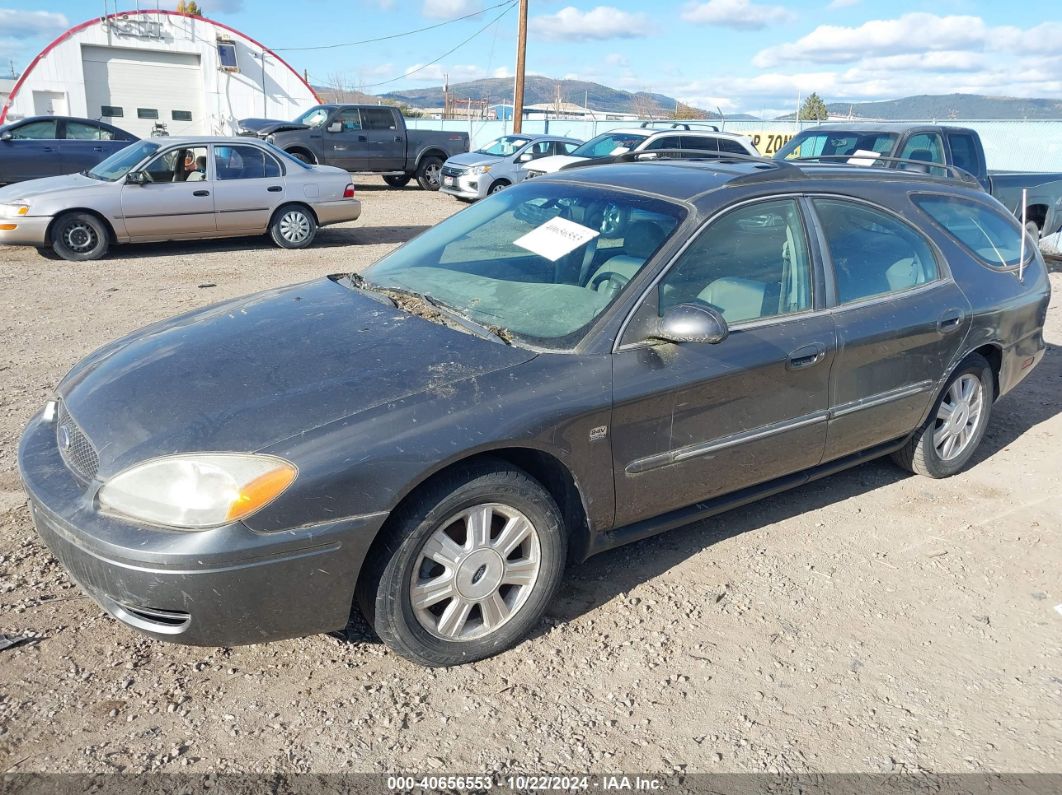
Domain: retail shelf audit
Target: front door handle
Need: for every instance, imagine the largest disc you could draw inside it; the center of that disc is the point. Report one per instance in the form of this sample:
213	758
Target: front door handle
950	321
274	189
806	356
201	193
398	139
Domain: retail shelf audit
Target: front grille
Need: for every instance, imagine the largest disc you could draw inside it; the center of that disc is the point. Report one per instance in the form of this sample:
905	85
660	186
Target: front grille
77	451
450	171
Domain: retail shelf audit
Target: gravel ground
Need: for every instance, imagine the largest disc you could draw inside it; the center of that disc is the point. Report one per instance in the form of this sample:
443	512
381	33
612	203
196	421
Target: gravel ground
873	621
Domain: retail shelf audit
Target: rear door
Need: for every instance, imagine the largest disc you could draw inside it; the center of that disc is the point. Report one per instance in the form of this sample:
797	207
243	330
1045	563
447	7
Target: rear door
696	421
386	141
177	198
31	152
900	321
248	186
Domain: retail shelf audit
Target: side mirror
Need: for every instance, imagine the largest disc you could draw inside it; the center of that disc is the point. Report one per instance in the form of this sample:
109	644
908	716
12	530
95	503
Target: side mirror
6	135
690	323
135	178
336	126
526	157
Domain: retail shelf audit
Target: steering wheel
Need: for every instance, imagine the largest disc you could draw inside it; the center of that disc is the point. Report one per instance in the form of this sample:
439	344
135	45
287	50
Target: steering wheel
618	279
614	219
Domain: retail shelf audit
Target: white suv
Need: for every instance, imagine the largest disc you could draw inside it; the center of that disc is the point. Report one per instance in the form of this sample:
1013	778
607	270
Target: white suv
677	135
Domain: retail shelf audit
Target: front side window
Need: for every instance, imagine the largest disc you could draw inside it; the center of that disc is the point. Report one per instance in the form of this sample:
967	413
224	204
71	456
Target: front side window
609	144
991	235
35	131
183	164
873	253
350	119
244	162
752	263
541	260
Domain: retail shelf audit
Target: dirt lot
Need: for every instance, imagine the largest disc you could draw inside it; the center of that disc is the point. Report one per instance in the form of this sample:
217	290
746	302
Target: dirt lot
873	621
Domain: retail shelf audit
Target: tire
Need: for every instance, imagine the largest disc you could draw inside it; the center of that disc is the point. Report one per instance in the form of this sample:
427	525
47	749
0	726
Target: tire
1033	229
293	226
397	180
923	454
498	186
429	172
452	626
79	237
299	155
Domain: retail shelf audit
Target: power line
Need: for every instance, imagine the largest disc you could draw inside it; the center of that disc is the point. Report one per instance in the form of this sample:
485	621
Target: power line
393	35
509	7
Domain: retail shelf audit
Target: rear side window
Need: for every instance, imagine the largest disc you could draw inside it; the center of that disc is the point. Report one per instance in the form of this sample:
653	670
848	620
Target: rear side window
244	162
667	142
378	119
733	147
873	253
990	235
964	152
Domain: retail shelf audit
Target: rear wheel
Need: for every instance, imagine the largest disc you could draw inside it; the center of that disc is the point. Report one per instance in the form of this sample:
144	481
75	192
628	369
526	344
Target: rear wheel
948	439
397	180
429	172
293	226
468	568
79	237
298	154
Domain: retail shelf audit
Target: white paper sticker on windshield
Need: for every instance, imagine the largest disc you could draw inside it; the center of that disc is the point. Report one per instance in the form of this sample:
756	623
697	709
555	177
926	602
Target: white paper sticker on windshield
555	238
863	157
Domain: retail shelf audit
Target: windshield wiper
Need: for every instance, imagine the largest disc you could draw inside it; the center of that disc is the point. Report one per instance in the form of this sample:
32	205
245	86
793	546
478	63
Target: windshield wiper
430	308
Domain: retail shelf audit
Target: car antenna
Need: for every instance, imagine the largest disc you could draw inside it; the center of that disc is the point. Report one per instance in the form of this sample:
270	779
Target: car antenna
1024	232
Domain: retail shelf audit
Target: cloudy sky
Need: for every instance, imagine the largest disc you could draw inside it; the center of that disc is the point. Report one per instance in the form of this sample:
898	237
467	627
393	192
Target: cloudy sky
741	55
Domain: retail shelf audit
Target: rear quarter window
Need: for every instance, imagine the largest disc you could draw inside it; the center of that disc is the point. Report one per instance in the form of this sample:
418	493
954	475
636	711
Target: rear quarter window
992	236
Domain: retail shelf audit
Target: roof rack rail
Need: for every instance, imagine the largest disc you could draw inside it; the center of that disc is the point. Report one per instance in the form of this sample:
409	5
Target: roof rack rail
896	163
764	164
679	125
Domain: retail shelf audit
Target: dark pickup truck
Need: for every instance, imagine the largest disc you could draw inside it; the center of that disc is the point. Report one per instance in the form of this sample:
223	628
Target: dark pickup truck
863	144
363	138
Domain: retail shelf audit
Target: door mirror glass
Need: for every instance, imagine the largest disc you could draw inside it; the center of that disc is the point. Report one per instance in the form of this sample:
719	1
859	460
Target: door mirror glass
690	323
336	126
135	178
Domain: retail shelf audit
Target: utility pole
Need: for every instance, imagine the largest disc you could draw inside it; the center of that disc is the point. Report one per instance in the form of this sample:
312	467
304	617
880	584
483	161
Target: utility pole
521	52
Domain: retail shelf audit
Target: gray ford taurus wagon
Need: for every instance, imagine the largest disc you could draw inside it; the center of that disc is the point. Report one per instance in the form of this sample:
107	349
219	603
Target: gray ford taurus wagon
580	361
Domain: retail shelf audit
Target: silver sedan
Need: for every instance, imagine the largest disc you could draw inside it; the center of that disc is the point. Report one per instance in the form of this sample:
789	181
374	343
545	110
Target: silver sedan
178	189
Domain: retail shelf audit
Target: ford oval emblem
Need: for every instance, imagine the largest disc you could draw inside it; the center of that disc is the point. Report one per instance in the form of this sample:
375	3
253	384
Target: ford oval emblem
64	437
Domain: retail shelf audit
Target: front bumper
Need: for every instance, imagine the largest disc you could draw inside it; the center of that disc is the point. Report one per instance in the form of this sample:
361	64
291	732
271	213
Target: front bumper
337	212
468	186
221	587
28	231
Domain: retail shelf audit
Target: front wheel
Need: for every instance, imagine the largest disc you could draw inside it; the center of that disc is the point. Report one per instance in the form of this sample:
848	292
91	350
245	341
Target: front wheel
429	173
293	226
468	568
947	440
498	186
397	180
79	237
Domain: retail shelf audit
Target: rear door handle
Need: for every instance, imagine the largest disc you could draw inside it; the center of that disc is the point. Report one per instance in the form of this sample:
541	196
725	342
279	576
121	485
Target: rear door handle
806	356
201	193
950	321
274	189
97	149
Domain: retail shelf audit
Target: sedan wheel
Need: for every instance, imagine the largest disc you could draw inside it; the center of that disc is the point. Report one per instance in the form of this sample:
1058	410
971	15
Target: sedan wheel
79	237
466	568
293	227
944	444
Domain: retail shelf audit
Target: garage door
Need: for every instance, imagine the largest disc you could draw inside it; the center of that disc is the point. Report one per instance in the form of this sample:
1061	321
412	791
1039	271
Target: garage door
134	89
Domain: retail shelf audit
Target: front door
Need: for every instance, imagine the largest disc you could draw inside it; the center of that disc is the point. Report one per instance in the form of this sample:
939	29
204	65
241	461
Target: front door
31	152
900	321
345	141
694	421
248	185
176	199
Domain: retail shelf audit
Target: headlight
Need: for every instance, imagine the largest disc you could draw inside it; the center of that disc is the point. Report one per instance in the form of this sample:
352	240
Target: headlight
14	210
197	491
479	169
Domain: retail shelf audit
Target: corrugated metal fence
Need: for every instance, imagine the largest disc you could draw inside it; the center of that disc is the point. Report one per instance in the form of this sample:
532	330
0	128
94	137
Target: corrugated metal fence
1009	145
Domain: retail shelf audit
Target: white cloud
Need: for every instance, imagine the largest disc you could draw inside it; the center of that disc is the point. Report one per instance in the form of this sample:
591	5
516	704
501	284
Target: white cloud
502	71
617	59
449	9
602	22
16	23
436	73
737	14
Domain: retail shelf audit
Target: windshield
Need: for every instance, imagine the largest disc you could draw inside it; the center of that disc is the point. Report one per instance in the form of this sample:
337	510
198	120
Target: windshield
607	144
506	145
118	165
314	117
826	143
540	260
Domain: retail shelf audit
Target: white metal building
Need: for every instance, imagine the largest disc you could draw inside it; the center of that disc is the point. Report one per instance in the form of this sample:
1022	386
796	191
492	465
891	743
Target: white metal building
139	68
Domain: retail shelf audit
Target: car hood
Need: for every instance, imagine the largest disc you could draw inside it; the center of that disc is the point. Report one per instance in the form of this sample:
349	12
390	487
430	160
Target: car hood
264	127
35	188
469	159
548	165
245	374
